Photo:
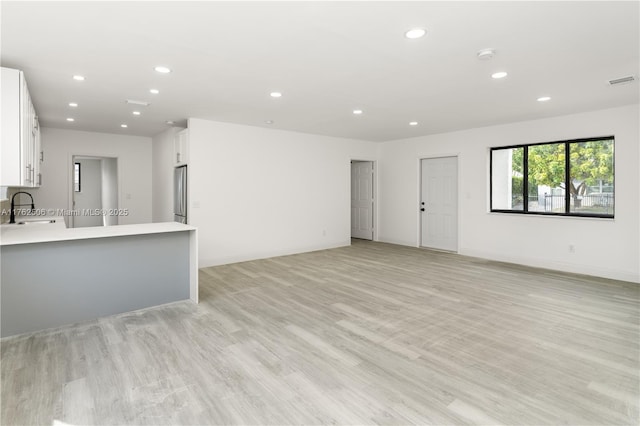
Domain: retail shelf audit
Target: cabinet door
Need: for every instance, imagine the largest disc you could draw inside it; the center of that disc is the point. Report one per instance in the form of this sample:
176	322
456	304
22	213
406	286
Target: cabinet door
181	148
26	135
20	141
37	151
10	170
176	149
184	146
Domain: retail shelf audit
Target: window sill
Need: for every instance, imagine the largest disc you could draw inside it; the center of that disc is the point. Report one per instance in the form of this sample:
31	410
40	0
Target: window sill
555	216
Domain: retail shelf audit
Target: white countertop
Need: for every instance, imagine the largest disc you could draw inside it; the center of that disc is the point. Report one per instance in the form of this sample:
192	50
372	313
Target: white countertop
49	232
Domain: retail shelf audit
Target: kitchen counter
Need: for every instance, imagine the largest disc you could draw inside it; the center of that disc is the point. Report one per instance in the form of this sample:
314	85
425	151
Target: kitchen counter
53	276
47	232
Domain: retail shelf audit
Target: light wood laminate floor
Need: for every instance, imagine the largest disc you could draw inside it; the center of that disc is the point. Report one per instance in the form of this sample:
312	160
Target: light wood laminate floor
368	334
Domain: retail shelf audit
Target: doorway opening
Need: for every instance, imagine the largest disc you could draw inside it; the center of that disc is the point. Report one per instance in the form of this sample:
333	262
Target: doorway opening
94	191
362	199
439	203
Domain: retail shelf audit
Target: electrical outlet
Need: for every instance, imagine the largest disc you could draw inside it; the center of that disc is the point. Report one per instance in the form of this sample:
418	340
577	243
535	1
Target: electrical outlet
572	248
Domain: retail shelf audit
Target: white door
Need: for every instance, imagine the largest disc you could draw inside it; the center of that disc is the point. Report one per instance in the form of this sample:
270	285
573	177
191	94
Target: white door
439	203
362	199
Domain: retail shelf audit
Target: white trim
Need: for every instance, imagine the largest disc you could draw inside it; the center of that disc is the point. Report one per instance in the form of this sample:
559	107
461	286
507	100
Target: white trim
225	260
554	265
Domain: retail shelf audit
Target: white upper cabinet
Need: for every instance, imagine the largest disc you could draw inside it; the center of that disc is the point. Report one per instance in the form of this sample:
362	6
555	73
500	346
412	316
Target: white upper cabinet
20	152
181	148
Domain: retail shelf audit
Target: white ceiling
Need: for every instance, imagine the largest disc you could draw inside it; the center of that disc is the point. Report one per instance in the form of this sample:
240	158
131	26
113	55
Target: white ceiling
327	58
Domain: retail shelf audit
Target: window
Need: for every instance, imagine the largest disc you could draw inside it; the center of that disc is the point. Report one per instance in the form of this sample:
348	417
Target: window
506	179
570	178
76	177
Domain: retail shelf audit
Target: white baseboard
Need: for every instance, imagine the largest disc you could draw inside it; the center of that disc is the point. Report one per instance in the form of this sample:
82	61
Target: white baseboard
225	260
397	242
555	265
527	261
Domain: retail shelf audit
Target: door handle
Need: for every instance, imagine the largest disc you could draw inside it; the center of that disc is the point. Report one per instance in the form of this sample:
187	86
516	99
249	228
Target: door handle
422	209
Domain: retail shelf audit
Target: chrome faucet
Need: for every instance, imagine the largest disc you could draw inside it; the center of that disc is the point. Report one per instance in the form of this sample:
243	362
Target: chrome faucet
12	216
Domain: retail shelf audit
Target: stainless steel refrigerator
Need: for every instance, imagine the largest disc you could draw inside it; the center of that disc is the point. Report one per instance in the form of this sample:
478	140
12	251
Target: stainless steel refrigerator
180	194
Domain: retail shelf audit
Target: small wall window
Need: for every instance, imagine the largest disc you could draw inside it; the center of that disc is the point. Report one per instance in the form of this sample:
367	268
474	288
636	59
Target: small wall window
571	178
76	177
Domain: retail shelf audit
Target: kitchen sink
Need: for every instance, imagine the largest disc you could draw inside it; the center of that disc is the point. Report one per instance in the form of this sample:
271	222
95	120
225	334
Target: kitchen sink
37	221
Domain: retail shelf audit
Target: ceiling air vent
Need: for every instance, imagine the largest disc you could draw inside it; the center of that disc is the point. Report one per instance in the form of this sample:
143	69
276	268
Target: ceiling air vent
622	80
134	102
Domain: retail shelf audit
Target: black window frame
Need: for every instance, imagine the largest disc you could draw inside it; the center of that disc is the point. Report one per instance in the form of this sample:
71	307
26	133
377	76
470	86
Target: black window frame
525	179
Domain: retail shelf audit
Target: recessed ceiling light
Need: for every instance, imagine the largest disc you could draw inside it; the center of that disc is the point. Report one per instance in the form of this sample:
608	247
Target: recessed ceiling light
70	119
544	98
136	112
124	126
162	69
415	33
154	91
275	94
413	123
169	122
486	54
73	104
269	122
78	78
357	111
497	75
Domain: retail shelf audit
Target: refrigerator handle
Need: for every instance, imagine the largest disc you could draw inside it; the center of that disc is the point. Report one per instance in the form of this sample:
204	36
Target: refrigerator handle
184	191
176	192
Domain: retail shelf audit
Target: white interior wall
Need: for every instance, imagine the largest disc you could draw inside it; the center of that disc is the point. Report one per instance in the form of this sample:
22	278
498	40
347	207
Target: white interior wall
90	195
109	190
134	169
162	169
603	247
257	193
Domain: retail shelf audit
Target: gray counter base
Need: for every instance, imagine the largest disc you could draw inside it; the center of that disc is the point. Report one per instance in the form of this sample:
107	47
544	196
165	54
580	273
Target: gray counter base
51	284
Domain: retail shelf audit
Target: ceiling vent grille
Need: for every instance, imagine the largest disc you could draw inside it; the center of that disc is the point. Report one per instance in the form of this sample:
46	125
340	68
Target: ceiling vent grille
622	80
134	102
